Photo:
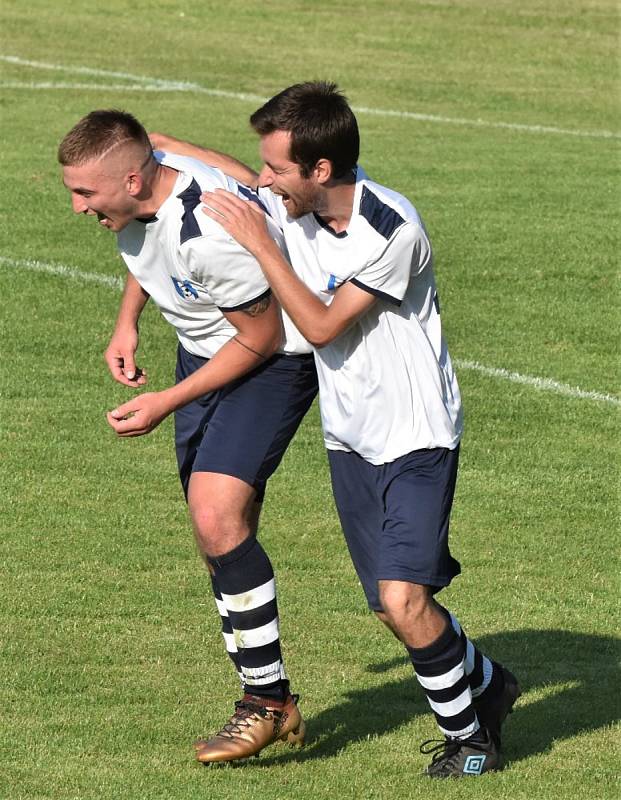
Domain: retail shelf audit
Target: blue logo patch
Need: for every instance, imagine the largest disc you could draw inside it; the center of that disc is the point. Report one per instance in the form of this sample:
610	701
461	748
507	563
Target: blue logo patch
474	765
185	289
332	283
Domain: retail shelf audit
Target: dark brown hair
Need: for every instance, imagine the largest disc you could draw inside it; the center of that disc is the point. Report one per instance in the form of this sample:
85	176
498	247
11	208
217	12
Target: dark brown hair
321	124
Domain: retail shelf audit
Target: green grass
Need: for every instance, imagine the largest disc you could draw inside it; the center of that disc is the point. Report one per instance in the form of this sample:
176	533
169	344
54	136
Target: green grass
110	655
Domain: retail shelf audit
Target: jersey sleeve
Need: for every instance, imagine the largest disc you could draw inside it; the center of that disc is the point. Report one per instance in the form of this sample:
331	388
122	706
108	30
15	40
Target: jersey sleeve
228	272
406	254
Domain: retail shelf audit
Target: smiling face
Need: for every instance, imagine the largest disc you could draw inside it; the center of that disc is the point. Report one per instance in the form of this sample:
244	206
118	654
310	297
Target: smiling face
300	195
105	188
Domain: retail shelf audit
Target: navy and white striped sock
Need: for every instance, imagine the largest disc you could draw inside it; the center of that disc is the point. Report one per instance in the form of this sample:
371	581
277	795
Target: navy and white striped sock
227	631
245	579
484	675
440	669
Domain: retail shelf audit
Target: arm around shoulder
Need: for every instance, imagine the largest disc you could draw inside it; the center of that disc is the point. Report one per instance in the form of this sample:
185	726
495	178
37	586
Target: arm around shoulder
213	158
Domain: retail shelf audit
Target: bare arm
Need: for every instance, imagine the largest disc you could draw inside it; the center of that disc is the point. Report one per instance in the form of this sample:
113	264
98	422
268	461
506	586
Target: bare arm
229	165
259	334
318	323
120	354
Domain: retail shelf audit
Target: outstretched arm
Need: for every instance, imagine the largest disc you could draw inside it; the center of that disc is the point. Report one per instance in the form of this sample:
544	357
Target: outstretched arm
229	165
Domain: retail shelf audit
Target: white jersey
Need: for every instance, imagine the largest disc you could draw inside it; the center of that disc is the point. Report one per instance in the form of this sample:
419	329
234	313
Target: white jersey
386	385
192	268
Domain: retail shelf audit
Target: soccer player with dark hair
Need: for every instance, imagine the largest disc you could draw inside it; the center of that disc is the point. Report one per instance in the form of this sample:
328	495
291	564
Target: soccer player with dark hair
361	289
244	380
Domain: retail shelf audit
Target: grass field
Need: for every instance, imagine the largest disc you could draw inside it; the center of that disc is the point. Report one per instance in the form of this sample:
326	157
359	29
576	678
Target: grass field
501	122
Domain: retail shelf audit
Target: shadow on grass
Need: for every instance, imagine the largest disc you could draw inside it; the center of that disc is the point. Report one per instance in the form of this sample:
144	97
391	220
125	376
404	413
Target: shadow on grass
582	666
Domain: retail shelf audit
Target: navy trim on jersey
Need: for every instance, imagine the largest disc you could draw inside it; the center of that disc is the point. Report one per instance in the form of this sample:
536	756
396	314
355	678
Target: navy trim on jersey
247	304
251	195
382	295
326	227
146	220
190	198
379	215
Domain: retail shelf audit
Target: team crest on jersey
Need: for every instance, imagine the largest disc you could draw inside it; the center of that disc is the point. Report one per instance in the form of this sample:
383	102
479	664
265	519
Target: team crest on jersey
185	289
334	282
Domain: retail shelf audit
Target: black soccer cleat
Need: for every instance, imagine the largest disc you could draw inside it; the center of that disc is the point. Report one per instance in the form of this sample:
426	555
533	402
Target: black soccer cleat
492	712
458	758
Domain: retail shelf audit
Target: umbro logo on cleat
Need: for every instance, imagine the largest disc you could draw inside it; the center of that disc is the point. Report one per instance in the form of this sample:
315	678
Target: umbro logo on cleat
474	765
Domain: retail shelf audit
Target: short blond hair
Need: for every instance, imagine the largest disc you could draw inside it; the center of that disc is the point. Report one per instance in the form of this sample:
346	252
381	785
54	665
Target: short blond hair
99	132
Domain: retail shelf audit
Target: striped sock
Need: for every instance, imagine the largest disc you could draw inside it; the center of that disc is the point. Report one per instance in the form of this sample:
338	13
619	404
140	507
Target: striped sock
440	671
245	579
227	631
484	675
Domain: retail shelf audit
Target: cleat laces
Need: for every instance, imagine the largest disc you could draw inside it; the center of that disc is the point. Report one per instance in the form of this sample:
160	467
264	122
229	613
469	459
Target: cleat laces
447	750
244	711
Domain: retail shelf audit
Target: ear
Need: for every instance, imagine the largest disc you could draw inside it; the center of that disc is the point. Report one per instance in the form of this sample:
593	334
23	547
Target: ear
323	170
134	183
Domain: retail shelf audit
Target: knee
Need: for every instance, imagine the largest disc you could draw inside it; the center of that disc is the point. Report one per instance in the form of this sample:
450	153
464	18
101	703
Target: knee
383	618
403	602
207	520
218	530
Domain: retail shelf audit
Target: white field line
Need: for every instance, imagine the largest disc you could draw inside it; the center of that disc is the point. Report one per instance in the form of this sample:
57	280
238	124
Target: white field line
543	384
97	87
63	271
144	83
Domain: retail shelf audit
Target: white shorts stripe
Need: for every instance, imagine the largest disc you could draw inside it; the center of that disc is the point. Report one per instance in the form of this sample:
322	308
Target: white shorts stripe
254	598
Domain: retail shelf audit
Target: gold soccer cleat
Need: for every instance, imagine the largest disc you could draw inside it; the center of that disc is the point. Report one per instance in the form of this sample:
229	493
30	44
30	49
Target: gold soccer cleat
253	726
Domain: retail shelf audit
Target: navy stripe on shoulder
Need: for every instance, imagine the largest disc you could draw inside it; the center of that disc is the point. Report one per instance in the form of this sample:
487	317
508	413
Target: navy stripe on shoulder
248	303
381	295
190	198
379	215
250	194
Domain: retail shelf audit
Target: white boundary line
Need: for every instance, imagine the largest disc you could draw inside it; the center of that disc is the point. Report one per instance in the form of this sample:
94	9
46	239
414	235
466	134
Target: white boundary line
144	83
109	281
96	87
63	271
544	384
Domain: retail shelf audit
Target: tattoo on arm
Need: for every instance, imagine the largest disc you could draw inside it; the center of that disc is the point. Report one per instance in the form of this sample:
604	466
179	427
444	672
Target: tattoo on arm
259	307
245	346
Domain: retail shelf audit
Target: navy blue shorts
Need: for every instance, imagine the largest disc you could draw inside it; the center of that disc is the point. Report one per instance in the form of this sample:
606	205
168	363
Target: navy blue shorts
244	428
395	517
